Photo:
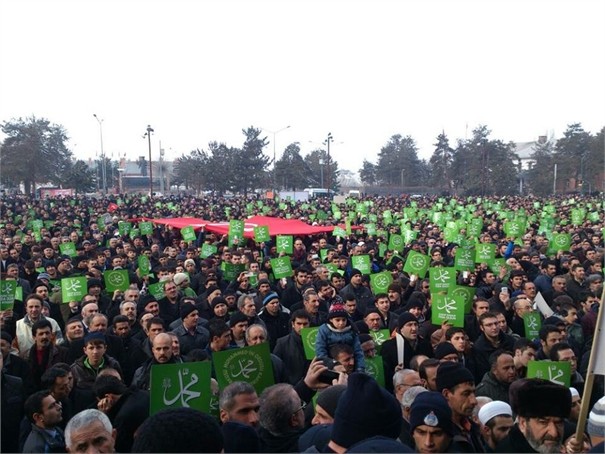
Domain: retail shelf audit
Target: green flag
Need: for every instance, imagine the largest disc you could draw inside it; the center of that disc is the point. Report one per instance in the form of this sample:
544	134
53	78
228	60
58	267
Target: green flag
124	227
144	265
396	243
284	243
232	271
532	323
73	289
441	279
380	336
417	264
116	280
68	249
261	233
180	385
188	233
362	263
156	290
380	282
339	231
464	259
309	336
208	250
560	242
7	294
146	228
465	294
375	369
447	308
250	364
282	267
485	252
558	372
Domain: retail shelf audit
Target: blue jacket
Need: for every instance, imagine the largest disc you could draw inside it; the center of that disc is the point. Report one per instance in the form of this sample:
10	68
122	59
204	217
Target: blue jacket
328	336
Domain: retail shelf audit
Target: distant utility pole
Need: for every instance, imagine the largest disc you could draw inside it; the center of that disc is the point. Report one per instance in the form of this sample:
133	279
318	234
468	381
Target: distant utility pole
148	135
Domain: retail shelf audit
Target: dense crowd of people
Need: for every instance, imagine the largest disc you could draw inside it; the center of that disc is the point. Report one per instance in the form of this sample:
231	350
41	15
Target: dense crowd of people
76	374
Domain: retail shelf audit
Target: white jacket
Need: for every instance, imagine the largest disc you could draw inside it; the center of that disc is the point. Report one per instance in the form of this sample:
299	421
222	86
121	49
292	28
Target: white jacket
24	340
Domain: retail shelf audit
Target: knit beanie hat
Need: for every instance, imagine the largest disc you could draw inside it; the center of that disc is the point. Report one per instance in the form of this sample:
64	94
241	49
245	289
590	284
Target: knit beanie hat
596	419
328	398
337	310
236	318
187	309
404	318
218	300
450	374
365	410
144	301
355	272
93	283
270	297
431	409
444	349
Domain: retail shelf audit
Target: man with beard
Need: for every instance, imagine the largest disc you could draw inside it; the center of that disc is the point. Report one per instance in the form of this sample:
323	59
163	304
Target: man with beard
541	408
496	419
276	321
496	382
162	354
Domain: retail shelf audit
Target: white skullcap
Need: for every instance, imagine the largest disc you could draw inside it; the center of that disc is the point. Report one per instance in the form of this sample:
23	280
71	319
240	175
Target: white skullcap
574	392
493	409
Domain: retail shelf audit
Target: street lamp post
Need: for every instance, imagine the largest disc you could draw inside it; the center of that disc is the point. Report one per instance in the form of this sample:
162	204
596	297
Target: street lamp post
321	171
147	134
274	150
329	139
103	170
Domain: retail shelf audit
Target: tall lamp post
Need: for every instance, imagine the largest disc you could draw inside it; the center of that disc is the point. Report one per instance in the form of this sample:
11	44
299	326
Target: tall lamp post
321	171
103	170
328	140
147	134
274	150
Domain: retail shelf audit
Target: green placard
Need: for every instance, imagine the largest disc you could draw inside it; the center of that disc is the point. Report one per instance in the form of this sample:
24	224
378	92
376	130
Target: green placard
73	289
188	234
496	265
18	294
441	279
409	235
284	243
417	264
7	294
380	336
465	293
37	224
124	227
249	364
208	250
362	263
447	308
261	233
236	228
555	371
144	265
396	243
375	369
464	260
514	228
232	271
339	231
380	282
146	228
180	385
532	323
68	249
156	290
560	242
116	280
371	229
282	267
309	336
485	252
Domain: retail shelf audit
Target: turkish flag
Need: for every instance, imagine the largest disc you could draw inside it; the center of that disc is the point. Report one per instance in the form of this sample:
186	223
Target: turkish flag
112	207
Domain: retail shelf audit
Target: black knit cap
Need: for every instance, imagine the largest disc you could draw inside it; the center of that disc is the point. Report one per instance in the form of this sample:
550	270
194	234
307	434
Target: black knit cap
365	410
450	374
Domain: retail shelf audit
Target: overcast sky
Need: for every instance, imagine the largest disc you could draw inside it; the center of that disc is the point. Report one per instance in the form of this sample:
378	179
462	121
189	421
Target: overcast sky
201	70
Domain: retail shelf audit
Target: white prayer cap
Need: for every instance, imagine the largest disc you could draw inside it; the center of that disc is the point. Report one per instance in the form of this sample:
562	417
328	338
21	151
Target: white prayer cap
574	392
493	409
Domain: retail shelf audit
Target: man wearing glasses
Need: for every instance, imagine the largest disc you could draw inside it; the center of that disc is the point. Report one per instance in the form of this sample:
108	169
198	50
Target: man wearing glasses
490	340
